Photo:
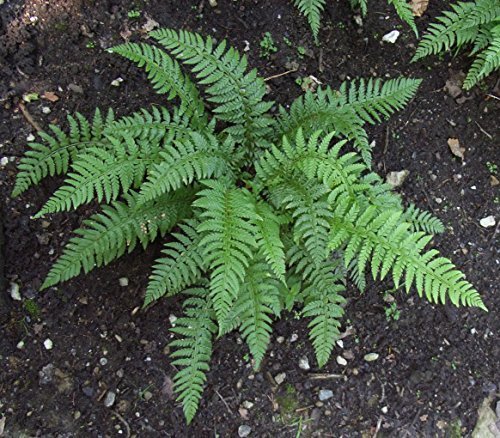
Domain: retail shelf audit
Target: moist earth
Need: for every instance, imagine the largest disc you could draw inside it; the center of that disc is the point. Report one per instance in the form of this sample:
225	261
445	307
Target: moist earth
108	372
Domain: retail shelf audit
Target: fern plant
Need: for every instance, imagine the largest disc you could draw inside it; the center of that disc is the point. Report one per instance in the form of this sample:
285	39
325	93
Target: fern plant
264	212
312	10
468	23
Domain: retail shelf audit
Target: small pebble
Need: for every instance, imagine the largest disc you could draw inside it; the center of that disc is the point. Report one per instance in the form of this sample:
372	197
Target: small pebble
244	431
280	339
117	82
325	394
439	201
14	292
304	363
123	281
340	343
172	318
20	345
488	221
30	137
4	161
370	357
110	398
46	110
148	395
341	361
280	378
294	337
385	409
48	344
103	361
212	3
247	404
391	37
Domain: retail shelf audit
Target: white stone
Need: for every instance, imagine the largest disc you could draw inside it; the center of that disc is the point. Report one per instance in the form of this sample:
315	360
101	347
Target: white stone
341	361
172	318
46	110
325	394
391	37
396	179
117	82
20	345
244	431
439	201
385	409
280	378
488	221
123	281
110	398
48	344
30	137
340	343
304	363
4	161
280	339
247	404
294	337
370	357
14	292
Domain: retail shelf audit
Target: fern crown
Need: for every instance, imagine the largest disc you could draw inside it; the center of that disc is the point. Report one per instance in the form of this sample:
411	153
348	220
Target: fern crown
263	213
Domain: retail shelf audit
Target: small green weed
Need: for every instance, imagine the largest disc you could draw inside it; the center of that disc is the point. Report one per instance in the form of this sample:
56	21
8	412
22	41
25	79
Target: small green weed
267	46
492	167
133	13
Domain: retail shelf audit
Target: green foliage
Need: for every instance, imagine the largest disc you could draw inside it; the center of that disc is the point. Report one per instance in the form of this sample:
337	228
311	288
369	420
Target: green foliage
312	10
259	213
468	23
267	46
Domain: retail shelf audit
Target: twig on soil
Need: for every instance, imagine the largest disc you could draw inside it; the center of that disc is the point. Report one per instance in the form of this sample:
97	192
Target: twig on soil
280	74
493	96
225	403
379	423
494	234
320	62
386	145
305	408
321	376
28	117
127	427
484	132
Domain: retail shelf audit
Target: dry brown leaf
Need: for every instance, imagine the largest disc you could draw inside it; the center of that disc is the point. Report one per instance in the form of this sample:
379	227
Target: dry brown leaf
419	7
243	413
50	96
455	148
149	25
494	181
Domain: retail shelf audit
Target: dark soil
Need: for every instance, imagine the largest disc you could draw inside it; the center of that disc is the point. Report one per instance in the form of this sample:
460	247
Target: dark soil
436	364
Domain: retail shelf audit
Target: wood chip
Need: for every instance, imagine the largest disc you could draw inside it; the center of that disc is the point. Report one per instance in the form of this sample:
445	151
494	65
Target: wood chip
455	148
418	7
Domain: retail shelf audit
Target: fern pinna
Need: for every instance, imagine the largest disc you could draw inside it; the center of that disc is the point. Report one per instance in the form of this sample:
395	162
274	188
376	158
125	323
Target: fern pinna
264	213
474	23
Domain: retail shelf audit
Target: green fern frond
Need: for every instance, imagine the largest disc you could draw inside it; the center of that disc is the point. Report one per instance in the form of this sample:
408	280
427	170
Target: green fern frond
347	110
194	157
193	351
237	94
103	174
269	240
228	242
405	12
422	220
361	4
54	155
182	265
388	243
257	302
486	61
323	301
108	235
311	9
165	75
